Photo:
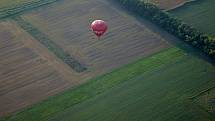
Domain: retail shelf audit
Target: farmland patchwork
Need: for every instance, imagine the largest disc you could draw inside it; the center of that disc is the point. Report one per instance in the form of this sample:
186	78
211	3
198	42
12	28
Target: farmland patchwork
131	73
62	29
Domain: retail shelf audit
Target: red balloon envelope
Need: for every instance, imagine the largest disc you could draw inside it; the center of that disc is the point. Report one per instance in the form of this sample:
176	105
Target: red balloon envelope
99	27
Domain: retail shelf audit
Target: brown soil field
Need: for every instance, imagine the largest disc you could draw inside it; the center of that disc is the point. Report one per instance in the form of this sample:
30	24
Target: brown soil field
67	24
28	72
169	4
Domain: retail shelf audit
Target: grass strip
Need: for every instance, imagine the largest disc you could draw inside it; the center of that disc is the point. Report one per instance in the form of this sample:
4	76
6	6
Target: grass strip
43	39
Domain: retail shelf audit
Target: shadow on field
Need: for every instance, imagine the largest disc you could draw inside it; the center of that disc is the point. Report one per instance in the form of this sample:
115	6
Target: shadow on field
192	51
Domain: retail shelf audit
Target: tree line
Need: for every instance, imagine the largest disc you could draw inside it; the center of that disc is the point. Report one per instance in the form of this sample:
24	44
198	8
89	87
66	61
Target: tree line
172	24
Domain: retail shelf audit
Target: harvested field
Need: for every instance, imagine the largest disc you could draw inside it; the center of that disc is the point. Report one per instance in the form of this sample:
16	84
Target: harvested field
67	24
28	73
50	45
161	83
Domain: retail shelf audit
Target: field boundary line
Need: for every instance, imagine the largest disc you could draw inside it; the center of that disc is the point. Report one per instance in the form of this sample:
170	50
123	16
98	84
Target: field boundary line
50	45
90	89
12	11
201	93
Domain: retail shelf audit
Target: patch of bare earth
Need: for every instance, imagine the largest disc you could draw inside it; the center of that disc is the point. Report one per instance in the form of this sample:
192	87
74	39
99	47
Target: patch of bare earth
28	72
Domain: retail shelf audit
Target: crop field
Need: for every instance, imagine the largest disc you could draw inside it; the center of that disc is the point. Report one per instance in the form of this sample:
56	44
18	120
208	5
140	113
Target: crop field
133	72
27	72
154	88
50	45
67	24
113	51
200	14
161	93
168	4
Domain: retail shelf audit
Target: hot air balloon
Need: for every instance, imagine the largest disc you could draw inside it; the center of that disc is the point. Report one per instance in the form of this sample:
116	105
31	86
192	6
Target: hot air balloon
99	27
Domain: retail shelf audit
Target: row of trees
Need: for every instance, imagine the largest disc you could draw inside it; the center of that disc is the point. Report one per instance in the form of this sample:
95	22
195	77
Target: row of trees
172	25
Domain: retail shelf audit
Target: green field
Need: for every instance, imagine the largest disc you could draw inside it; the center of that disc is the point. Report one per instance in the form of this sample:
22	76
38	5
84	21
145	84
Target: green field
155	88
200	14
